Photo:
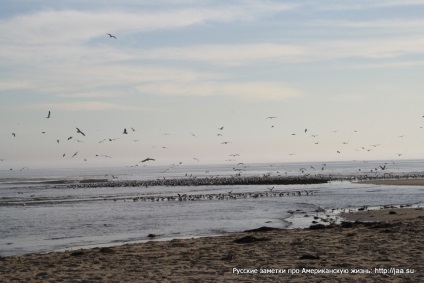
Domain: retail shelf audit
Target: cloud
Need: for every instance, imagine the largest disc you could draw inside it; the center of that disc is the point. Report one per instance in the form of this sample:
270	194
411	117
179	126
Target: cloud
74	26
365	4
236	54
82	106
386	65
387	24
383	48
258	91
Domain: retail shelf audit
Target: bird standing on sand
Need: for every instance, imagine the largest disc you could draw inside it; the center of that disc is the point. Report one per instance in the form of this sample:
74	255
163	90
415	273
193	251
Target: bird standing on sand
125	132
110	36
14	135
79	132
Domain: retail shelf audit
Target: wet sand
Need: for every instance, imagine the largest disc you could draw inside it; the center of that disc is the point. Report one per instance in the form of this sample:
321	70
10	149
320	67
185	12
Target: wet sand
399	182
383	215
375	250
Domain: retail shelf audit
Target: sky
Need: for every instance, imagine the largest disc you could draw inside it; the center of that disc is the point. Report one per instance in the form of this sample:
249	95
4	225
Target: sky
342	78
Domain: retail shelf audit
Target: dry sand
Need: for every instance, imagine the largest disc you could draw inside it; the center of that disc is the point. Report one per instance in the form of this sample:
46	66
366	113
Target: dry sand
397	244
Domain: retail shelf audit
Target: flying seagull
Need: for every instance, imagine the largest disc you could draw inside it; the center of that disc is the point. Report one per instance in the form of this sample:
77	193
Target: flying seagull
221	128
48	115
74	154
148	159
79	132
110	36
271	117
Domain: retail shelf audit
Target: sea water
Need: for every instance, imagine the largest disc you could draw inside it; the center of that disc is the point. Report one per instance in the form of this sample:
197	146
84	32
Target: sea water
40	210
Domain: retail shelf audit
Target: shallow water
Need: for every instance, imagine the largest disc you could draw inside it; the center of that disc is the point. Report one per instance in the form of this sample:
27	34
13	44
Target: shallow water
47	217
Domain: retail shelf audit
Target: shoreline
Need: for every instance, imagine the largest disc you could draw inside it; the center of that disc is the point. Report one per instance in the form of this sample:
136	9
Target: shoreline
385	215
371	248
398	182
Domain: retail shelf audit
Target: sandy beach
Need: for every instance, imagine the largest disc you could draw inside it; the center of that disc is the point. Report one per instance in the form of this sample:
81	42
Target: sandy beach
352	252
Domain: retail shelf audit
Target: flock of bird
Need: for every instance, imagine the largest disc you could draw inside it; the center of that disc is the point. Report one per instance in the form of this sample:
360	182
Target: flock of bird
220	131
233	155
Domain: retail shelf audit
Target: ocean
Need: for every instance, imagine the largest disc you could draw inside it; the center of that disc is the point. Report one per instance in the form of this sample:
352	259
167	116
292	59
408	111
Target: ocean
44	210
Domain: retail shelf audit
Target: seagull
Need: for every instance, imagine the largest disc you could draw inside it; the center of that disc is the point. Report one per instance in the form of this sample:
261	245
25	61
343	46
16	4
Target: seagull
14	135
74	154
271	117
225	142
110	36
57	141
306	130
48	115
221	128
193	134
148	159
132	129
69	138
79	132
125	132
103	156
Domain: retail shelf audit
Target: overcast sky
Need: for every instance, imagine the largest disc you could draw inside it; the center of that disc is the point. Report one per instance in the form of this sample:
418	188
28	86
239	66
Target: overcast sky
350	72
